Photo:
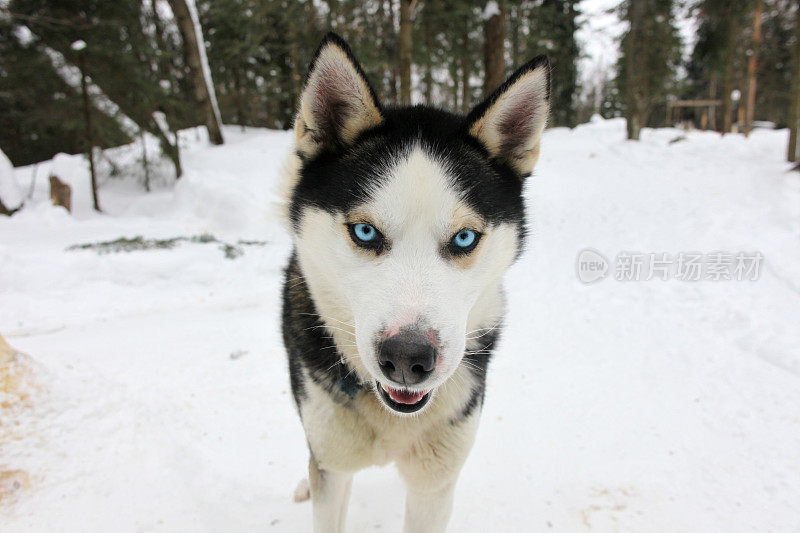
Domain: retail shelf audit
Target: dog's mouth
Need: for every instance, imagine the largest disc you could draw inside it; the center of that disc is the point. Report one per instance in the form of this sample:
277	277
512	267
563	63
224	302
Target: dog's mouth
402	400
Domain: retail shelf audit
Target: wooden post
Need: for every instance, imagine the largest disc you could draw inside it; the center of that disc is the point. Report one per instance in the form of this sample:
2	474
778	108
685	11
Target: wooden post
752	64
60	193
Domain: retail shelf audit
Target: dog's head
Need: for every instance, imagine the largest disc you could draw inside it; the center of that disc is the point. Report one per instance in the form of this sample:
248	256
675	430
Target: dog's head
405	219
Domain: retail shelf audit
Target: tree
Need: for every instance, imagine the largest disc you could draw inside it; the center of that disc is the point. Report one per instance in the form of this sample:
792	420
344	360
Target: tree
718	52
752	63
494	64
194	47
774	72
37	106
549	26
794	109
79	46
404	50
121	58
650	54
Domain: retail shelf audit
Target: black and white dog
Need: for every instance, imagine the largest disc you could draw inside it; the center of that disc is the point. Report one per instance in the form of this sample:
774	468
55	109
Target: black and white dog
404	220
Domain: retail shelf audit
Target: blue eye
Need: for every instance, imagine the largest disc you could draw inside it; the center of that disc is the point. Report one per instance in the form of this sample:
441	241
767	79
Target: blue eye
465	238
365	232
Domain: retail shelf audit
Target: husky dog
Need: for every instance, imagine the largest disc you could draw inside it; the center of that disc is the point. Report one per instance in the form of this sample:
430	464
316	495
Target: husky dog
404	220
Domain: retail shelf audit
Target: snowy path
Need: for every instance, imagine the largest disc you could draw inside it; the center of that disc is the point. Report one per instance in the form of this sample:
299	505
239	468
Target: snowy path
617	406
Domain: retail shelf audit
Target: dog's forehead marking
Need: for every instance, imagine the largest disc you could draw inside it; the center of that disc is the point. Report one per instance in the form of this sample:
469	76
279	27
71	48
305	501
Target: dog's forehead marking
418	192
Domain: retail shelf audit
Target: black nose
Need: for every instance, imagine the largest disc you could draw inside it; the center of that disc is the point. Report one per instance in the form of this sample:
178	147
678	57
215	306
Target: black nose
407	358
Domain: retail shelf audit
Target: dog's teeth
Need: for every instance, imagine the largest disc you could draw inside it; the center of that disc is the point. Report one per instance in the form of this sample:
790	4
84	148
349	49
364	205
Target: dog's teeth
385	387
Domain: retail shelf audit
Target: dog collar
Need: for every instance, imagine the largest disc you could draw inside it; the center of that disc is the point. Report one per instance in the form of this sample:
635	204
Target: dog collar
348	382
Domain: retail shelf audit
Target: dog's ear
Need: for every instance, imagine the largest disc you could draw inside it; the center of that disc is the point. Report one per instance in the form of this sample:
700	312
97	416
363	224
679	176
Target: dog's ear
509	123
337	103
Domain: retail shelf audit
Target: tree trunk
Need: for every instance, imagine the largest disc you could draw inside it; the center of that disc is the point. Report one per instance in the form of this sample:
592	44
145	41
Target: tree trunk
712	94
194	47
389	43
727	80
294	58
634	125
752	64
170	145
427	28
514	22
87	116
466	98
240	99
164	70
494	51
794	95
404	51
453	70
632	75
145	165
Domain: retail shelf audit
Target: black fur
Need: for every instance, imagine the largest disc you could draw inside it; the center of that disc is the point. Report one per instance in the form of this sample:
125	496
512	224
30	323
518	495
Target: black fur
337	180
308	344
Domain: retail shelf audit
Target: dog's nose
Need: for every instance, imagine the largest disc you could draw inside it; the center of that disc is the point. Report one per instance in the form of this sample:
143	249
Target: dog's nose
408	357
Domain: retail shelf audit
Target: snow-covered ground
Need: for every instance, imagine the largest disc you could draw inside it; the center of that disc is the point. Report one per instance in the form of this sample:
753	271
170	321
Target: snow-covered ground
614	406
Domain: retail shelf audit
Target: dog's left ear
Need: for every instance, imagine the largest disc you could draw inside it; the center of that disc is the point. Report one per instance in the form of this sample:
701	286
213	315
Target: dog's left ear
337	103
509	123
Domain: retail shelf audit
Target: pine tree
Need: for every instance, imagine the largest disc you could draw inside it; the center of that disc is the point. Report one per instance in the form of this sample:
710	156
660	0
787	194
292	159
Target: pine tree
556	22
774	74
650	54
38	110
719	54
119	56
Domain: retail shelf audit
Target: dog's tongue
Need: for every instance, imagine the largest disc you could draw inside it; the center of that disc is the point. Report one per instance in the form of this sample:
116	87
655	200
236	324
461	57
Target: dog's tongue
405	396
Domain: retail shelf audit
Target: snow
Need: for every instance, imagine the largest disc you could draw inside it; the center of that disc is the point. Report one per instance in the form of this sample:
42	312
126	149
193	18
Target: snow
10	191
23	35
615	406
490	10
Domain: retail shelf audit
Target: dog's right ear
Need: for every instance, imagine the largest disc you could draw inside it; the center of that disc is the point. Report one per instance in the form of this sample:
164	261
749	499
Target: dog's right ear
337	103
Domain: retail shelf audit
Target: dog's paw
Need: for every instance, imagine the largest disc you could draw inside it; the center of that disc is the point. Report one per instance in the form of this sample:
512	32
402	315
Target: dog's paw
302	492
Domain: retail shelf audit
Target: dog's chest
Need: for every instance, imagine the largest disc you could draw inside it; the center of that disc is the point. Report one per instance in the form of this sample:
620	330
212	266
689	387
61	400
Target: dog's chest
357	436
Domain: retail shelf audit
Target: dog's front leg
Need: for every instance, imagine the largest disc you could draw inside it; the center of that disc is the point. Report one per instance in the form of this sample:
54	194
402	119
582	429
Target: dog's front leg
428	511
430	471
330	493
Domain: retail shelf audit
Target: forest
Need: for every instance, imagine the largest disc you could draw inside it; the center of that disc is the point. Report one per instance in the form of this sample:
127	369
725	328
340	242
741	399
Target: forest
739	68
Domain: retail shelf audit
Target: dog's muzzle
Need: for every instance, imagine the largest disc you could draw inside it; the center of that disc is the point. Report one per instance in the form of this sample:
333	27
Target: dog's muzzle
407	360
